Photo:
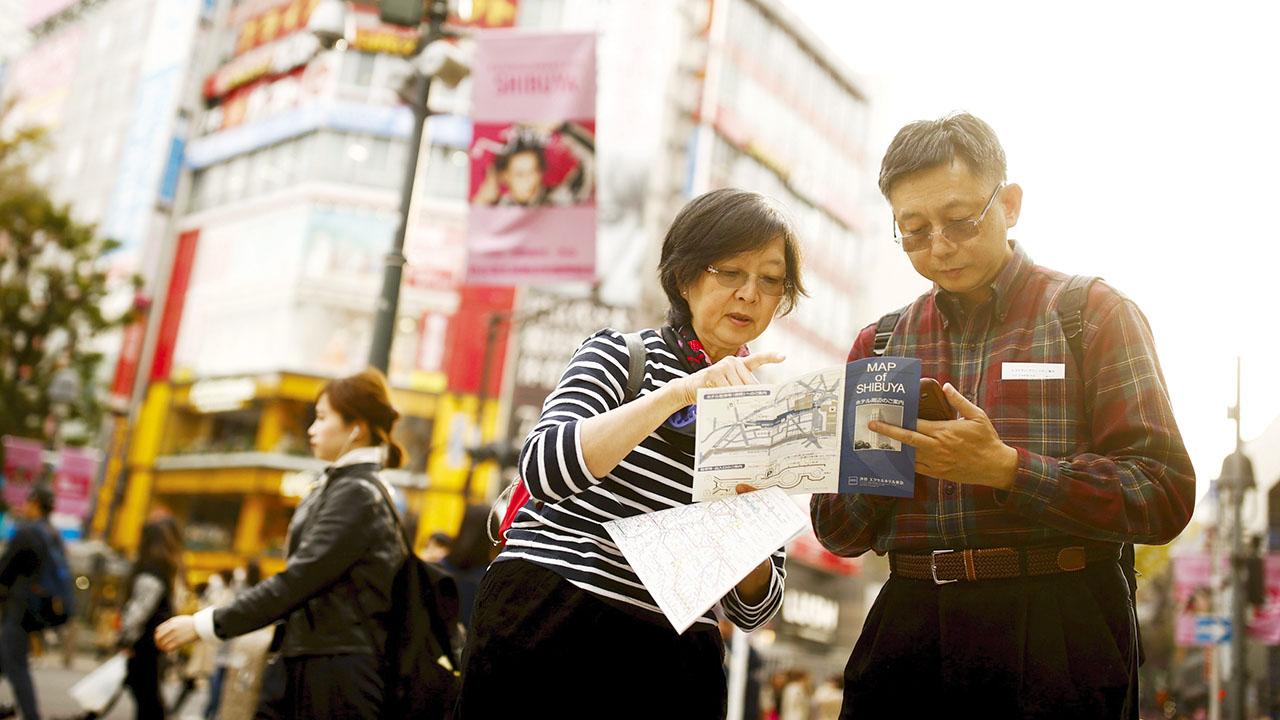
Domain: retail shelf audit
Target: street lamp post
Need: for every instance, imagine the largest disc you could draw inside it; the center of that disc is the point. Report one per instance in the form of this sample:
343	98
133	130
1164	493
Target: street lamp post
393	270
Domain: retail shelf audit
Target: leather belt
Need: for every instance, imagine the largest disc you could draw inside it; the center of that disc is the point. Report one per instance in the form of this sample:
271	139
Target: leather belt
948	566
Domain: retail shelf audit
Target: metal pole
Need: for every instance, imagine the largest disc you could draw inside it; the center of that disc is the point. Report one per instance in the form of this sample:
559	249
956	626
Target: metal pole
1239	674
739	648
389	300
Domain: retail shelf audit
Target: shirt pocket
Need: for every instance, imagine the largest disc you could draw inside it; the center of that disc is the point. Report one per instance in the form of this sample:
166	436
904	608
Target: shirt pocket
1044	416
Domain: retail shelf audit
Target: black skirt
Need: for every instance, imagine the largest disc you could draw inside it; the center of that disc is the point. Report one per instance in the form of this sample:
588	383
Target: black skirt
542	647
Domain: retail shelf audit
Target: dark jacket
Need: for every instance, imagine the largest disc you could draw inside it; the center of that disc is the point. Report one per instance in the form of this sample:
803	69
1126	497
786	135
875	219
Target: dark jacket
344	551
21	563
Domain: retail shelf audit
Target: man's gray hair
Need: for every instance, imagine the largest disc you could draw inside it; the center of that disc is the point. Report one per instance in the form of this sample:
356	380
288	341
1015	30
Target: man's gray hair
926	144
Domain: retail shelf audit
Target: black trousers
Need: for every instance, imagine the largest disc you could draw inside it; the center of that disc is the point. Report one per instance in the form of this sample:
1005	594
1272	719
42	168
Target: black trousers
322	686
143	680
1054	646
540	647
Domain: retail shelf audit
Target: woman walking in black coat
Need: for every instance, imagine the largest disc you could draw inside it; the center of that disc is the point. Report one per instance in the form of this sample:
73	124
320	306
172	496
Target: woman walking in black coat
344	550
150	602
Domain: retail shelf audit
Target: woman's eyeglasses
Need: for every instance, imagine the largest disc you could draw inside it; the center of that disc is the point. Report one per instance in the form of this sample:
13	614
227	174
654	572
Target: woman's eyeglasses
734	279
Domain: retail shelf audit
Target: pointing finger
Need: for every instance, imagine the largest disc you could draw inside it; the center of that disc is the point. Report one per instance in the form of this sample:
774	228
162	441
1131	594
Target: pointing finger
754	361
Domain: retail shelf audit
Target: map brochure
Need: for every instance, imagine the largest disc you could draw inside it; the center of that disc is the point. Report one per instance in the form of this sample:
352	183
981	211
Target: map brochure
809	434
690	556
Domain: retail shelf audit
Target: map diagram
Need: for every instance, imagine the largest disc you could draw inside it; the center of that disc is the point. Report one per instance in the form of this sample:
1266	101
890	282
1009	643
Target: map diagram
691	556
785	435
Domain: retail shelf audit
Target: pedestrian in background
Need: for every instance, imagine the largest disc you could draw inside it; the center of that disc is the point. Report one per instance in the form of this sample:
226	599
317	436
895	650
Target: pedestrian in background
242	578
561	619
22	563
149	602
344	549
468	557
437	547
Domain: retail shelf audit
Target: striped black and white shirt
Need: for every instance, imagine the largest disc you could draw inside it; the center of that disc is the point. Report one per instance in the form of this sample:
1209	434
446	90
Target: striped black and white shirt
563	532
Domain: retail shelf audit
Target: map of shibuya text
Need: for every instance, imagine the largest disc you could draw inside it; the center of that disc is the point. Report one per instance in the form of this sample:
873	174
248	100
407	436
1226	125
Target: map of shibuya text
785	435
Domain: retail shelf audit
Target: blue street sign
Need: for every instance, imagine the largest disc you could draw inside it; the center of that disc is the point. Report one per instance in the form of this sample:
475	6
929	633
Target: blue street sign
1212	630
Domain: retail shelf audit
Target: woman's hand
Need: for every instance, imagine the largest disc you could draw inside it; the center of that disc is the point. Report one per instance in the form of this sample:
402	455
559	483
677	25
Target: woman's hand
176	632
730	371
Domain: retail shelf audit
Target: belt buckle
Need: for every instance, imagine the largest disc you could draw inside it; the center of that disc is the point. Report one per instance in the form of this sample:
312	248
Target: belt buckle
933	567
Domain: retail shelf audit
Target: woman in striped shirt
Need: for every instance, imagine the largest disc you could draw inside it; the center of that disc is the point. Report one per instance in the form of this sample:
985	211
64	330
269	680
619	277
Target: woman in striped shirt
562	626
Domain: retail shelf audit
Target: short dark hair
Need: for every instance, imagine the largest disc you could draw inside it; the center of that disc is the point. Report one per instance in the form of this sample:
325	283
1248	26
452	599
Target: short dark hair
717	225
523	141
926	144
42	495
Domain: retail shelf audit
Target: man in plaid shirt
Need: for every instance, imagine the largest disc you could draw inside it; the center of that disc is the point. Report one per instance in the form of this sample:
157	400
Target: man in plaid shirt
1006	597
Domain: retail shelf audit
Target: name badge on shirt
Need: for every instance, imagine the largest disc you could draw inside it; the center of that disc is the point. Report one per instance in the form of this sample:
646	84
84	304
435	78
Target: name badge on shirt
1032	371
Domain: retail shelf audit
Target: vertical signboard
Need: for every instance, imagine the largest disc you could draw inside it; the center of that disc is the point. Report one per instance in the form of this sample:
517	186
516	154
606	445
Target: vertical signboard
23	466
532	193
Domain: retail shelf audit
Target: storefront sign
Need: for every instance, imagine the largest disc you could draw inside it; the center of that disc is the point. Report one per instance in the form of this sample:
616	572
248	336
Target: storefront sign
550	327
210	396
275	59
23	466
816	617
72	480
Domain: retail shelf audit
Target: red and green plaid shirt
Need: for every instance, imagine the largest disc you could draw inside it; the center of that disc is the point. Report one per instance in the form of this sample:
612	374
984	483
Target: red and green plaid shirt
1100	457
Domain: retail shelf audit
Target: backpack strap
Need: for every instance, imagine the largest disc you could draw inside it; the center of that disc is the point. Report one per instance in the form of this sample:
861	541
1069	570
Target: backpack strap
1070	311
884	330
636	356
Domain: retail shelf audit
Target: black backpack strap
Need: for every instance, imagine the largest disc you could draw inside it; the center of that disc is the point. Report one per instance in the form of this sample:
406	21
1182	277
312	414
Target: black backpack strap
636	355
1070	311
395	513
884	330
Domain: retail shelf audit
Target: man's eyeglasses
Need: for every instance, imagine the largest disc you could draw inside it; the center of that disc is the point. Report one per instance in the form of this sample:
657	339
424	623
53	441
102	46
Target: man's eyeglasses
956	232
734	279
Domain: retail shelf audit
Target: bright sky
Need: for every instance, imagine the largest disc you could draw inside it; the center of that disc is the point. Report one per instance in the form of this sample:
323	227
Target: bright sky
1146	137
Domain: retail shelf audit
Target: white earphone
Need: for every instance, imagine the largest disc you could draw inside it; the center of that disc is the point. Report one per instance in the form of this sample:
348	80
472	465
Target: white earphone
355	434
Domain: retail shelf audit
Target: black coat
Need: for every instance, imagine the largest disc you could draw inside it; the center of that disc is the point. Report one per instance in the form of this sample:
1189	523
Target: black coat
344	552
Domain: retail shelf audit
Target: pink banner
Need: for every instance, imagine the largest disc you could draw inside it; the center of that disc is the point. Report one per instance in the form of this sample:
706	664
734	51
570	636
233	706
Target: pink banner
1265	626
1192	594
72	481
1193	597
532	191
23	465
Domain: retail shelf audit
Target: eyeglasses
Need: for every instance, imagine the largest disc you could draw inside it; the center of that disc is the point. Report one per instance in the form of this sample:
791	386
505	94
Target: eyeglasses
956	232
734	279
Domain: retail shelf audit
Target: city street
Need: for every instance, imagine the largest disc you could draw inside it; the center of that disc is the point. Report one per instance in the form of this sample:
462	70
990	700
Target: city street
53	680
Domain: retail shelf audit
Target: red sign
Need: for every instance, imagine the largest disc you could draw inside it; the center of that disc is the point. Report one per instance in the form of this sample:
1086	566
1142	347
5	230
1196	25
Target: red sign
468	336
184	258
71	482
23	465
127	362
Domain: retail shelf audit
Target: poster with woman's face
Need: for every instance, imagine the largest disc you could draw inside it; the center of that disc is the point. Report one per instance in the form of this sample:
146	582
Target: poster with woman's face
532	165
532	218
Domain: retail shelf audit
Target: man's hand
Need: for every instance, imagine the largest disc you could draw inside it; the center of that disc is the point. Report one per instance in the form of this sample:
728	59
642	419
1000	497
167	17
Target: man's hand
176	632
968	450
